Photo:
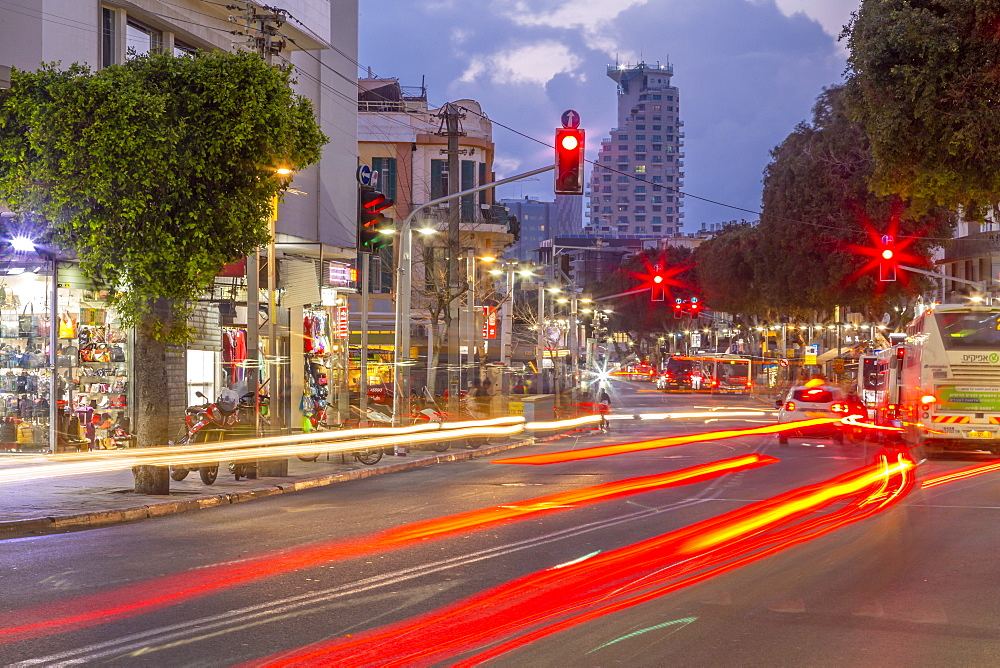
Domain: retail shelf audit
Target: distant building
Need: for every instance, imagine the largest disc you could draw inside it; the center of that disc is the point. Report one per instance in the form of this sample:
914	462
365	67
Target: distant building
634	185
537	220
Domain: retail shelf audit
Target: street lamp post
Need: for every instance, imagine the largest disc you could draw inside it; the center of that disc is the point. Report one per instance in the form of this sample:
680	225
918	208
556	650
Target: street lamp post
404	269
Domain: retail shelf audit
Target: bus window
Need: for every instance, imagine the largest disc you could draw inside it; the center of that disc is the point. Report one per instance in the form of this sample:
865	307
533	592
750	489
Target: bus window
969	330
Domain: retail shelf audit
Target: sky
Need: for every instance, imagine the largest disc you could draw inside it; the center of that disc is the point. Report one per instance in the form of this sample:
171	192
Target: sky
747	72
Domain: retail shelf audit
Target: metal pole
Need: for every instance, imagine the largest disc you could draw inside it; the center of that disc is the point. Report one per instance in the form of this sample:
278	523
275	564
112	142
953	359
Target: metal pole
507	318
53	346
401	338
277	408
540	344
470	329
363	380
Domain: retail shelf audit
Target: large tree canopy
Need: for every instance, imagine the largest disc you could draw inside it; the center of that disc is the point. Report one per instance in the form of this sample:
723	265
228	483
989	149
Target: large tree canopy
925	82
156	172
816	205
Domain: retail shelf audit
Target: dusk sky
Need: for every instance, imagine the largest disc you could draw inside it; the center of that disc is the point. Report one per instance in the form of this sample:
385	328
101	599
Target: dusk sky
748	71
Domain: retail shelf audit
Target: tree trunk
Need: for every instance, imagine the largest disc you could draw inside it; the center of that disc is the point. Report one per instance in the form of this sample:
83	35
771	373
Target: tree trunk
152	426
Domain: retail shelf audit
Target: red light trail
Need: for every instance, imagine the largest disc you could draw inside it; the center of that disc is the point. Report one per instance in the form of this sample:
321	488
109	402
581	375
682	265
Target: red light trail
546	602
174	589
624	448
962	474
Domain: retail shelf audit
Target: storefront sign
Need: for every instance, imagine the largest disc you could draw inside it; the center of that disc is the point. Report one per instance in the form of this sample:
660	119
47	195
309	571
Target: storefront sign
342	275
343	330
489	322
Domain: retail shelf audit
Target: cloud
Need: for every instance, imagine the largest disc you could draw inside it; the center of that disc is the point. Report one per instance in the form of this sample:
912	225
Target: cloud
460	35
536	64
592	18
831	14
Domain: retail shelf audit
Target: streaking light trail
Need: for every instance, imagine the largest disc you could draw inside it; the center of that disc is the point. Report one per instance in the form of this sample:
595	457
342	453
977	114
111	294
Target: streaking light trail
961	474
623	448
163	592
546	602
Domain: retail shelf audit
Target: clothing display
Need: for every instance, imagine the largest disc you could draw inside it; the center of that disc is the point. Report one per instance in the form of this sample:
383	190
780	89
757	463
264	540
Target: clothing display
316	345
234	355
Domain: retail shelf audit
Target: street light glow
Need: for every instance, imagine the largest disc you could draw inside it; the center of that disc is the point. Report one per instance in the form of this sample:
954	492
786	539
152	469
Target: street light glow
23	244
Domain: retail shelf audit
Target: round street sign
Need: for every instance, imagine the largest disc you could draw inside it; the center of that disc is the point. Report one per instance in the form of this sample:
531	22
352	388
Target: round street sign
364	175
783	362
571	118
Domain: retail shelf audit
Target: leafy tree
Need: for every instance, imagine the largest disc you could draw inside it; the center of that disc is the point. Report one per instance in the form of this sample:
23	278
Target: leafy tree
156	173
727	267
923	81
817	211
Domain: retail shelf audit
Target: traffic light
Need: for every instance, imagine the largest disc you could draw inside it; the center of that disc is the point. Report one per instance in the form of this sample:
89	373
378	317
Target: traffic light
374	227
678	308
658	290
696	307
569	161
887	266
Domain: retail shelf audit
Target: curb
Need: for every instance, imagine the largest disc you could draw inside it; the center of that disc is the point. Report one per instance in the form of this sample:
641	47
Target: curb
100	518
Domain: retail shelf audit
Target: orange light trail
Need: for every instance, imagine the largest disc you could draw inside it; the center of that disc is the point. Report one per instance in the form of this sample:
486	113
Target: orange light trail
174	589
962	474
623	448
545	602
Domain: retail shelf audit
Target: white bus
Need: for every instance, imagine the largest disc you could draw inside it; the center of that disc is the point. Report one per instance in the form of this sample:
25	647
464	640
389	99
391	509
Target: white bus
949	381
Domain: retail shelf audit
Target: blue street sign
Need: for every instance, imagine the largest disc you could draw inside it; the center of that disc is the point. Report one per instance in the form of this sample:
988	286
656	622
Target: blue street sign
364	175
570	119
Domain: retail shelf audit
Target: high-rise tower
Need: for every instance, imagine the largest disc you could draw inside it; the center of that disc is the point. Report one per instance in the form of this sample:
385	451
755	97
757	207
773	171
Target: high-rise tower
634	188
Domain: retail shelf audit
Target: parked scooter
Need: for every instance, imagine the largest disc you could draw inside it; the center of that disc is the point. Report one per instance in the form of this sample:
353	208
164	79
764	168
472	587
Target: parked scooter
210	422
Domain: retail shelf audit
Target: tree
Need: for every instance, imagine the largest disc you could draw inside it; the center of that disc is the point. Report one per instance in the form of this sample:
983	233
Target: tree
923	81
816	205
155	173
727	269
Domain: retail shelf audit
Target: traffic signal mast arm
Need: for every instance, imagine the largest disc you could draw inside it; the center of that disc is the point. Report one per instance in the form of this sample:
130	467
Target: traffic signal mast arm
979	285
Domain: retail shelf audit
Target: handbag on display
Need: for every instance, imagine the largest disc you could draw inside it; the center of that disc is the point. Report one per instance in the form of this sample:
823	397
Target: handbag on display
25	432
84	336
101	352
67	326
117	353
27	323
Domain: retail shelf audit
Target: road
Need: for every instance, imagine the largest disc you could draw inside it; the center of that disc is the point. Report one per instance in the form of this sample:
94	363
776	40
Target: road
403	567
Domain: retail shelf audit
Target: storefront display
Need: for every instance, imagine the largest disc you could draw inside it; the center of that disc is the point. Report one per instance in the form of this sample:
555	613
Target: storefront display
317	354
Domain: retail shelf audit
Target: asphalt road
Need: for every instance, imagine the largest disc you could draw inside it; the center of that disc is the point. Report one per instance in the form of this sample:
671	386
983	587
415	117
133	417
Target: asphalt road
913	585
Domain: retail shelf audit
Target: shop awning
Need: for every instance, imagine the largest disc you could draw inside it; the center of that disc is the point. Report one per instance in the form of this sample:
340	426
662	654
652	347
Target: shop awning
833	353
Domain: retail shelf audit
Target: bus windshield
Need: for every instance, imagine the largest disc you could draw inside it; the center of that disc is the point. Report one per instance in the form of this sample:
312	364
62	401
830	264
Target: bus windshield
969	330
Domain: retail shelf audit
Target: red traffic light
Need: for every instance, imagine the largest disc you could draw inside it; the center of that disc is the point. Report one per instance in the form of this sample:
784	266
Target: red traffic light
569	161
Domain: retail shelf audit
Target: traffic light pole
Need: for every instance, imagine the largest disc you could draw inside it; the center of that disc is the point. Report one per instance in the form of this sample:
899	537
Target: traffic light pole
979	285
404	270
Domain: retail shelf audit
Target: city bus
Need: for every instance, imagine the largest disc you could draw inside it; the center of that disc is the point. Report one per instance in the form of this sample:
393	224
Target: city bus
949	379
718	375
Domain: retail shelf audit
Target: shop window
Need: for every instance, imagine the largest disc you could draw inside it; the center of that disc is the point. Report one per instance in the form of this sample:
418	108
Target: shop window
109	37
202	375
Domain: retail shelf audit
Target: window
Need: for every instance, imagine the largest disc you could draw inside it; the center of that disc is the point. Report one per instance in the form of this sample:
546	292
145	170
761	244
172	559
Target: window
640	157
670	98
606	158
657	97
623	208
671	149
606	189
670	219
657	228
640	189
386	168
670	179
642	107
622	220
670	137
640	209
657	118
656	107
108	35
483	180
670	230
640	198
657	207
640	148
640	219
623	147
670	128
182	49
606	177
657	220
640	138
640	127
670	158
439	178
141	39
657	147
606	209
670	209
623	228
607	198
670	198
657	179
641	229
622	179
640	169
656	199
657	158
657	127
622	137
657	138
622	187
623	158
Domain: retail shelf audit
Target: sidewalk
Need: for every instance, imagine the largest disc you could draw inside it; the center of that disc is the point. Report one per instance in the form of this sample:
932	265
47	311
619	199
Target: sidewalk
42	506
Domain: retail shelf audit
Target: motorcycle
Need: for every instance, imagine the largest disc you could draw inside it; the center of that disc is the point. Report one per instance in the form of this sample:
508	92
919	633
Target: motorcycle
211	422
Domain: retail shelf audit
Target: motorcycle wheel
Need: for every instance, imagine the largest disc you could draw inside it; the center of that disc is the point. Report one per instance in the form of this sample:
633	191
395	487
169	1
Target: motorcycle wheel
208	474
440	447
474	443
308	456
369	456
178	474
